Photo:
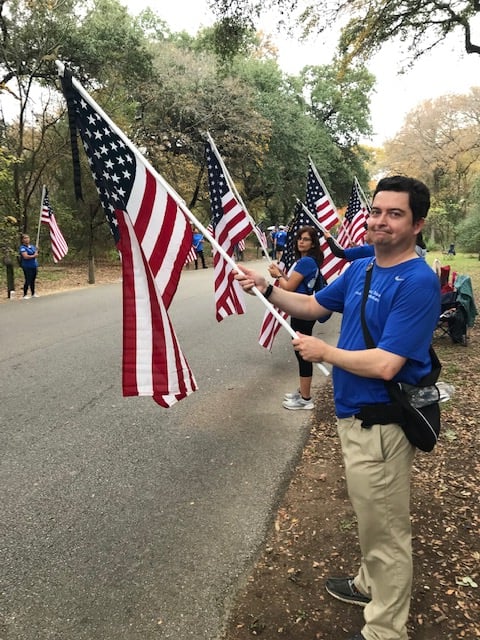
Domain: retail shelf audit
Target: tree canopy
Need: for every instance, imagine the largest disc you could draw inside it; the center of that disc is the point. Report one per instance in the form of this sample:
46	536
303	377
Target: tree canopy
420	25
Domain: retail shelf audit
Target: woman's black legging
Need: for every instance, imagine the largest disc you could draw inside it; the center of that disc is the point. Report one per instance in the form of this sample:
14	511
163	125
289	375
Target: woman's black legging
30	275
305	369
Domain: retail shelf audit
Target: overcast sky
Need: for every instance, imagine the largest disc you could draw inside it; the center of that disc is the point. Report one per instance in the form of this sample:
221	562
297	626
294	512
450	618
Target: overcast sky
445	70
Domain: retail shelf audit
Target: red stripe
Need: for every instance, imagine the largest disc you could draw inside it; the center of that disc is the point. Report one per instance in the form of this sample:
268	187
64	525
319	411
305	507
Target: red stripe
145	208
129	363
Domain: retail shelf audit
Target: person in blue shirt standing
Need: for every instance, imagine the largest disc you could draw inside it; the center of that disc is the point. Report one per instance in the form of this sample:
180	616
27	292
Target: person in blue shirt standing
29	264
301	278
280	242
402	306
197	242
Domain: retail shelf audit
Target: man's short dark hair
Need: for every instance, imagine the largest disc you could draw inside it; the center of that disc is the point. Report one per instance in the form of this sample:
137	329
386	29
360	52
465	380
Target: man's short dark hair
418	193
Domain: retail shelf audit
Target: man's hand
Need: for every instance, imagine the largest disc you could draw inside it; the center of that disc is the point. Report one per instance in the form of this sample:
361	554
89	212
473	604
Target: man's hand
249	278
310	348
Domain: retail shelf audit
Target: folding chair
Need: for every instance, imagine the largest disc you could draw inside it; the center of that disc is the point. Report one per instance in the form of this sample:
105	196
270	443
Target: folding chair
458	310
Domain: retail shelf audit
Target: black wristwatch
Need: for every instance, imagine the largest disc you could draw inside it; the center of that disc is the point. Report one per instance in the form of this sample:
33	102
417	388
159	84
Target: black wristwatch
268	291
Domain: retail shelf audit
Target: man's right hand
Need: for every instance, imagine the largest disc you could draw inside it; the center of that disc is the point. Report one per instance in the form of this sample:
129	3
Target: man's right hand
249	278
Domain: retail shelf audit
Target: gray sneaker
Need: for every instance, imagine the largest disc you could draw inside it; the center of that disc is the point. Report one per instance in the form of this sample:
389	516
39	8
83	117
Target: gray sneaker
292	396
298	403
344	589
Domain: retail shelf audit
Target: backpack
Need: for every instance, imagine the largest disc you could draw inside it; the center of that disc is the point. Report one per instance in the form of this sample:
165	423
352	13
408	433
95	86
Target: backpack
320	282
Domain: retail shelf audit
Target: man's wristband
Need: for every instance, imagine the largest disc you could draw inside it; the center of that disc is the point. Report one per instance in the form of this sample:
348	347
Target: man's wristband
268	291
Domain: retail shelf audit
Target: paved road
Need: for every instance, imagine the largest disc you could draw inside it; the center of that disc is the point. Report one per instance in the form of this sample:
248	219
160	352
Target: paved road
120	519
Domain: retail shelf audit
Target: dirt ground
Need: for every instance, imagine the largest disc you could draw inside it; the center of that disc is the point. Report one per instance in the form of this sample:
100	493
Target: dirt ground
313	535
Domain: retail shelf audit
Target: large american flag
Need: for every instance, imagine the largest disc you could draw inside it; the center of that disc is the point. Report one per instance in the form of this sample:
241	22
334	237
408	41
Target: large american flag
58	243
353	229
230	225
321	206
154	236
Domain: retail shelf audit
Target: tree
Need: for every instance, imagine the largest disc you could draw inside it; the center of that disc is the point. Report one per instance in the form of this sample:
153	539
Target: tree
98	39
440	143
419	24
468	231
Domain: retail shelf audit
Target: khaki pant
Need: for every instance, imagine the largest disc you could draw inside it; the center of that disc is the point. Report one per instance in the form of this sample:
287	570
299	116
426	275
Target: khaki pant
378	464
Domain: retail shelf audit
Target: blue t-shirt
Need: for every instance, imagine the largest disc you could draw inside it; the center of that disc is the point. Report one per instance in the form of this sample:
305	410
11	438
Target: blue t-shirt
280	239
308	268
401	313
32	263
197	241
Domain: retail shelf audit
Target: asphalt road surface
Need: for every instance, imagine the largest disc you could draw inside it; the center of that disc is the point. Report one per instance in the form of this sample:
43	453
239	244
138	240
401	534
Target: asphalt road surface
121	520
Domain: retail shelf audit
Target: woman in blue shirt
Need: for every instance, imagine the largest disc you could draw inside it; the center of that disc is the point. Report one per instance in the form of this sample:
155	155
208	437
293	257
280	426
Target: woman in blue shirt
29	264
301	278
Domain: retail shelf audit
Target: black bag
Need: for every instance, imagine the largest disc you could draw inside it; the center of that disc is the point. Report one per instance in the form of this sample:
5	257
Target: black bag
320	282
420	424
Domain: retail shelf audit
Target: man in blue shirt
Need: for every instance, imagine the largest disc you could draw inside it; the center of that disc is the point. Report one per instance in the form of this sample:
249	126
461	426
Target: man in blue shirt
197	243
401	312
280	240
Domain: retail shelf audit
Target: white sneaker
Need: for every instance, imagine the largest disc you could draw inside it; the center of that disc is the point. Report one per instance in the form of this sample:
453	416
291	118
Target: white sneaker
35	295
26	297
298	403
292	396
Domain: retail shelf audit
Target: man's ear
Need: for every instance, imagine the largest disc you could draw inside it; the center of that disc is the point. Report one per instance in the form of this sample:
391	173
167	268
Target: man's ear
418	225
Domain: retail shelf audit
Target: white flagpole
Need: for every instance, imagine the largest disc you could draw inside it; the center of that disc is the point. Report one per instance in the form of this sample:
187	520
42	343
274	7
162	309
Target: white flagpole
315	221
178	199
237	194
44	188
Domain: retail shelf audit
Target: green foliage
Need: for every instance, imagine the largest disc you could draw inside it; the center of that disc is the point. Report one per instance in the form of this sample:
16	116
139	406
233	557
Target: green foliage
468	233
419	25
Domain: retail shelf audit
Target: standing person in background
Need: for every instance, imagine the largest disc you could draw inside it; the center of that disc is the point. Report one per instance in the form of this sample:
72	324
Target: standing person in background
272	238
301	278
280	242
401	308
29	264
197	243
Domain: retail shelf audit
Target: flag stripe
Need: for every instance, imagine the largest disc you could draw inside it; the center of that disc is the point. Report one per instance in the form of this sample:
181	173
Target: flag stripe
148	356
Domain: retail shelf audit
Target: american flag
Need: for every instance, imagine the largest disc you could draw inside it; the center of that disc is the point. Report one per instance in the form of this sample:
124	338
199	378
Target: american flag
353	229
154	236
270	325
58	243
262	238
321	206
318	200
230	224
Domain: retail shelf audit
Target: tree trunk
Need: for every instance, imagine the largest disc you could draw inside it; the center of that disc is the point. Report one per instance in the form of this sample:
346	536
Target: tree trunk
91	270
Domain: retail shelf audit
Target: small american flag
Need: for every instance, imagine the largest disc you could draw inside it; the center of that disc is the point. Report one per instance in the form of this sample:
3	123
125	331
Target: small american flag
320	205
353	229
154	236
230	225
318	200
59	245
